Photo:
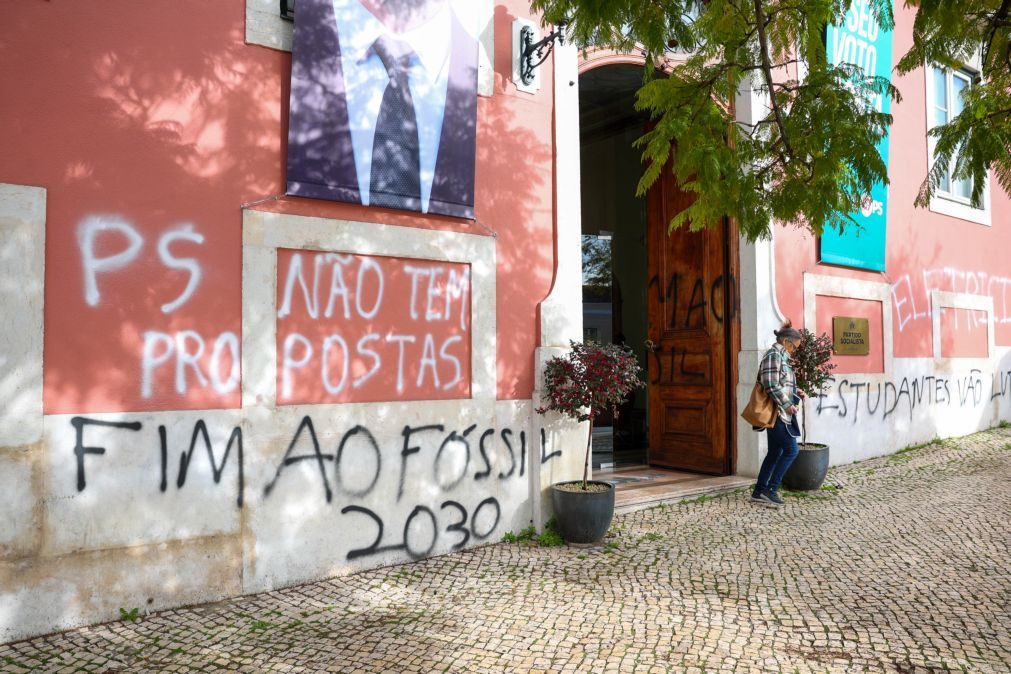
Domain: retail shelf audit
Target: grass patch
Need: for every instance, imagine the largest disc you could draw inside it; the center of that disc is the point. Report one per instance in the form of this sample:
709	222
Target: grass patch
260	626
129	616
549	538
831	488
1004	424
652	537
523	536
698	500
913	448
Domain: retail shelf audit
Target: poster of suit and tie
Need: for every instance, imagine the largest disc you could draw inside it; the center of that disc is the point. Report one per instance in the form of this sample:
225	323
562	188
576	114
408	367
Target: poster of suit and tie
384	104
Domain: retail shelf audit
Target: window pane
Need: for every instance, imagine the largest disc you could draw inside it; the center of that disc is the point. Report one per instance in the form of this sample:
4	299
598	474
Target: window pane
945	184
959	84
940	97
962	188
940	88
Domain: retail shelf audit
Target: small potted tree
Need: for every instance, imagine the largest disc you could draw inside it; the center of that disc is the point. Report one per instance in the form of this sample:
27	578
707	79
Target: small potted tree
581	385
813	367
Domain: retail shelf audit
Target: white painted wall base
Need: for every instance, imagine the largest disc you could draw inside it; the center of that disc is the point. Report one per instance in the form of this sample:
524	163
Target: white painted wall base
923	399
160	509
561	312
22	261
130	527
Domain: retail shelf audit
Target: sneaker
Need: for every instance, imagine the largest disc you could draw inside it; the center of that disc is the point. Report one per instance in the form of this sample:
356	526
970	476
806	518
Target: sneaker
759	496
773	497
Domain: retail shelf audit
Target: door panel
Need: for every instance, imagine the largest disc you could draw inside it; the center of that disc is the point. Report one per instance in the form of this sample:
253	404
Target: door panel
688	366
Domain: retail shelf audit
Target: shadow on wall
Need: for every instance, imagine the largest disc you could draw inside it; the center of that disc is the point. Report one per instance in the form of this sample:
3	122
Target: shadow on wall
516	199
513	203
176	122
158	117
922	397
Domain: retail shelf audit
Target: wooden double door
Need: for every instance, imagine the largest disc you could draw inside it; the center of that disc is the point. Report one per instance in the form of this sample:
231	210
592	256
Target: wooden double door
692	327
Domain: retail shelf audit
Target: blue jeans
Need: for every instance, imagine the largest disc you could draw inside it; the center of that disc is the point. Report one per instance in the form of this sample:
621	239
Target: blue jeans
782	451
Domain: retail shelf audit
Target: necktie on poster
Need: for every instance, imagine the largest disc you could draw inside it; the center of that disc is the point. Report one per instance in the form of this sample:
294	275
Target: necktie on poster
396	164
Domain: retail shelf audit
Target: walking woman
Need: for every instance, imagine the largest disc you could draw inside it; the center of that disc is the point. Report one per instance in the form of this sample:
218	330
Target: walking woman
777	377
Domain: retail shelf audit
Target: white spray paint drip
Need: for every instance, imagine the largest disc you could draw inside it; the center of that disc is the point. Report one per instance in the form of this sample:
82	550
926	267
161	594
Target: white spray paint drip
345	364
295	275
151	359
400	341
160	347
416	273
230	341
87	232
450	357
338	287
183	233
433	291
377	362
369	265
187	359
910	307
457	289
290	364
428	360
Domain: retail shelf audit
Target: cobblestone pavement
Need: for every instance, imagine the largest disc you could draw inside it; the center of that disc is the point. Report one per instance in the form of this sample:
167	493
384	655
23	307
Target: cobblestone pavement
903	569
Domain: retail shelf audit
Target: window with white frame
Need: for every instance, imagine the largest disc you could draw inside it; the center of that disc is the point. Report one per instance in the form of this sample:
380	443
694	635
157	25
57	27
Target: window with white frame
945	88
948	87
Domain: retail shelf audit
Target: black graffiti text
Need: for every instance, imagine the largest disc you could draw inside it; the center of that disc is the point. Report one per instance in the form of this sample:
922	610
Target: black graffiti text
883	399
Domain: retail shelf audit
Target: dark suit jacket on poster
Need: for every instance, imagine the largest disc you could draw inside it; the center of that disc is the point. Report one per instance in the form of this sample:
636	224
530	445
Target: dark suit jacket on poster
320	157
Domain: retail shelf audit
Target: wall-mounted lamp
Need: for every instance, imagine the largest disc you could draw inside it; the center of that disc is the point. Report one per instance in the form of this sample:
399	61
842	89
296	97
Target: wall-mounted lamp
288	10
533	54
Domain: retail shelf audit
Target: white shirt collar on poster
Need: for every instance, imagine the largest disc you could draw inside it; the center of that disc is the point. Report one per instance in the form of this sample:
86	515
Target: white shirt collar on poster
365	82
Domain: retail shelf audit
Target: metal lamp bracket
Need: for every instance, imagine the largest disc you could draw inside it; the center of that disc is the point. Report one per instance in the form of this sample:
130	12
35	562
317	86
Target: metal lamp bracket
530	51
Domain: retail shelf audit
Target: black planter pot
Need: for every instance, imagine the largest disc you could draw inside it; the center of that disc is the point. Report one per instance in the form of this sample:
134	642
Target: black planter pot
809	469
583	516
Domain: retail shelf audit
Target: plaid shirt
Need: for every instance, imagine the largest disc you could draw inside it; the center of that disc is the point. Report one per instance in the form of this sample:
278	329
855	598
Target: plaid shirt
777	377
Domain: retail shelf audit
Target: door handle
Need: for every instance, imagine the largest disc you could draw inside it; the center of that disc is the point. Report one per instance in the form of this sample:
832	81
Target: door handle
652	346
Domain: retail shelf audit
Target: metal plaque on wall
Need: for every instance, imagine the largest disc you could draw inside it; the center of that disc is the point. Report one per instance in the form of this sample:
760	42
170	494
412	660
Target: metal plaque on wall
851	336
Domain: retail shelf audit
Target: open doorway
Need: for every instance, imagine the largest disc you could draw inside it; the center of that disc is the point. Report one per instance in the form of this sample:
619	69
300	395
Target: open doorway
670	296
614	245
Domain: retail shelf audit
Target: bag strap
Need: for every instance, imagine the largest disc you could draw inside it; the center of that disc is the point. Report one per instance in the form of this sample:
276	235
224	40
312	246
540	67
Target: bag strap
758	375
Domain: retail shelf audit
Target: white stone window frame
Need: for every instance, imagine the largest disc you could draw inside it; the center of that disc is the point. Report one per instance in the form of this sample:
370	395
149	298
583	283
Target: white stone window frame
266	28
940	299
263	233
22	258
854	289
946	203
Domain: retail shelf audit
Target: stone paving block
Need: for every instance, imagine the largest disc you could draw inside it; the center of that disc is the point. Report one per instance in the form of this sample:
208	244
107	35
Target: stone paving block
903	570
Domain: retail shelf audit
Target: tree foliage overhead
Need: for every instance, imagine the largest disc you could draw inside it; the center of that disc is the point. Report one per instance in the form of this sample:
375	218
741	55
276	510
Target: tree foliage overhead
811	156
951	33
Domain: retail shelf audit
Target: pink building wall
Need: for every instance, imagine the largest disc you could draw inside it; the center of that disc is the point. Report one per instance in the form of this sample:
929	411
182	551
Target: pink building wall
925	250
151	124
369	328
157	443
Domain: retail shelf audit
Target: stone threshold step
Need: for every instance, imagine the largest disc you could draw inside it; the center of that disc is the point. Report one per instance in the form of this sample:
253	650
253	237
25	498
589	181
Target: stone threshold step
675	493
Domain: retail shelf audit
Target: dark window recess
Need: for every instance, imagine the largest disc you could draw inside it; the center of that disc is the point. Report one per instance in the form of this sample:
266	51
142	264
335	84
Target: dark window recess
288	10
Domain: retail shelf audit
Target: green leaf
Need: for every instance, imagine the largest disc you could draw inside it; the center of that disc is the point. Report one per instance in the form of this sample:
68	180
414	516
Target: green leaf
813	157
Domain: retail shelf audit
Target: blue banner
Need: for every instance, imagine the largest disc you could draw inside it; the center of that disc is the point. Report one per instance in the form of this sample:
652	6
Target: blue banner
860	41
